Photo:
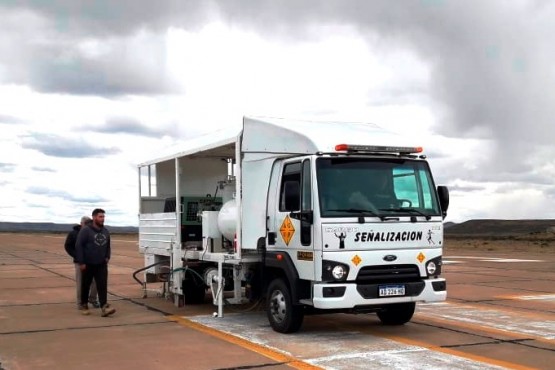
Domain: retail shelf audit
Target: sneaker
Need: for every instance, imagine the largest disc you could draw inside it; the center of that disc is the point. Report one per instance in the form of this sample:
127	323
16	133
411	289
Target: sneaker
96	304
107	310
84	310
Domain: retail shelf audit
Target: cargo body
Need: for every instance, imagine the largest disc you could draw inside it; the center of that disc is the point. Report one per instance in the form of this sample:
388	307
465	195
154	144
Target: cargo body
310	217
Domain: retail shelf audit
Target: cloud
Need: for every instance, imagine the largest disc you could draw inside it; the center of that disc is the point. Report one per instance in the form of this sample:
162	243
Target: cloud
7	119
131	126
7	167
52	193
495	82
43	169
65	147
37	51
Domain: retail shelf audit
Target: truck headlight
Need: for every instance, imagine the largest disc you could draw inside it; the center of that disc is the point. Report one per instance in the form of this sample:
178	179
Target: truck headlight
338	272
431	268
334	271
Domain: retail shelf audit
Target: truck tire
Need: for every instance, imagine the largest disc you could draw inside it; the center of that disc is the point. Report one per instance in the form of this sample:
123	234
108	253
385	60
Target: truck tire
397	314
283	315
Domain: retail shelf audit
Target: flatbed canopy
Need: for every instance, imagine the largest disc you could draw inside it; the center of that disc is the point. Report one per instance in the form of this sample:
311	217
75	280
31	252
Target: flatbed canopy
282	136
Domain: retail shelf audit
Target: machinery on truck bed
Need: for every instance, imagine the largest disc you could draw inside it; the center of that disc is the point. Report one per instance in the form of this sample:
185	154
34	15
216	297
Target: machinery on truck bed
312	217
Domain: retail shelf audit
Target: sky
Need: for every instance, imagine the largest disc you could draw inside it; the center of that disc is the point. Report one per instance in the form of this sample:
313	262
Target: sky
90	89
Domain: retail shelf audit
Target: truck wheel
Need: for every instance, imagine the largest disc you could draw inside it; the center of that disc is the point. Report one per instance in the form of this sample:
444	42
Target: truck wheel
284	317
397	314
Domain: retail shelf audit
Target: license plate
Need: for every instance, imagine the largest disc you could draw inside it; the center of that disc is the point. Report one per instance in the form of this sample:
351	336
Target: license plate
391	290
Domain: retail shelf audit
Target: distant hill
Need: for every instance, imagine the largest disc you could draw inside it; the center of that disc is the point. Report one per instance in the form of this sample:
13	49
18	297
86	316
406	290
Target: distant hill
501	227
40	227
448	224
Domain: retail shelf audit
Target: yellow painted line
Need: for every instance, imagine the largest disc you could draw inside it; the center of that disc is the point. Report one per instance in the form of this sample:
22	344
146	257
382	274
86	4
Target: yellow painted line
260	349
453	352
485	329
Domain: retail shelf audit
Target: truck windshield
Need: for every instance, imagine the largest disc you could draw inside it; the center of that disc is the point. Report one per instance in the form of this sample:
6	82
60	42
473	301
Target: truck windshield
375	187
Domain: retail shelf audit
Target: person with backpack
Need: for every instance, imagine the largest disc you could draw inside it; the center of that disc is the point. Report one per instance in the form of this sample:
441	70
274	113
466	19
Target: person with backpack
69	246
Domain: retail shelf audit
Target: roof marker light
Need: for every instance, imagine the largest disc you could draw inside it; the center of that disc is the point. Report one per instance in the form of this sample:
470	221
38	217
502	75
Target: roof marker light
378	148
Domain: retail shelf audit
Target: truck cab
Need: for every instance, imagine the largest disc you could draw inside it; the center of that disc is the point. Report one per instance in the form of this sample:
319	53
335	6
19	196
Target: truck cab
362	227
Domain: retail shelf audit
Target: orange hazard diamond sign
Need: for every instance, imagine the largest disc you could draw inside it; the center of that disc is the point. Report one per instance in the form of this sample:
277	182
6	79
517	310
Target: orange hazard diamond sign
287	230
421	257
356	260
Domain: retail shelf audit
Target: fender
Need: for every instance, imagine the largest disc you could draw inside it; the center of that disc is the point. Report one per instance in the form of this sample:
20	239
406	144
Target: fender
299	288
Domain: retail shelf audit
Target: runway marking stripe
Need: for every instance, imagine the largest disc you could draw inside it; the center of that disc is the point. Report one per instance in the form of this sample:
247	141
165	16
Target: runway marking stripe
260	349
298	364
504	309
486	329
453	259
530	297
453	352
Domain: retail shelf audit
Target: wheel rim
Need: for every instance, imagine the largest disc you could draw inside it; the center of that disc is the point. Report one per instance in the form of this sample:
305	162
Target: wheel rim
278	308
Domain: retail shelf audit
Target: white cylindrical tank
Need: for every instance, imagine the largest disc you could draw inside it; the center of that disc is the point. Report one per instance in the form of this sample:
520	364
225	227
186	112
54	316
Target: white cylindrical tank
227	219
228	191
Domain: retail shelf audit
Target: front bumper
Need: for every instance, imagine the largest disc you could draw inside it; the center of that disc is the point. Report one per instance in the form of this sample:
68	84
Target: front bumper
353	298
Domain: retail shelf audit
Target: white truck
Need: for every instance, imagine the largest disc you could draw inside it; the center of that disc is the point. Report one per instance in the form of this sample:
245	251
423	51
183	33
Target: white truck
308	217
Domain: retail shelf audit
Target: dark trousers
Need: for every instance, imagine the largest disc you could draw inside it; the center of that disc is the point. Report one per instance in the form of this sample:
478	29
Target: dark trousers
100	275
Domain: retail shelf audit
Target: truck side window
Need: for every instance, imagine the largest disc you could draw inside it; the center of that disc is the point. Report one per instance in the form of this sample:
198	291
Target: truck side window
290	195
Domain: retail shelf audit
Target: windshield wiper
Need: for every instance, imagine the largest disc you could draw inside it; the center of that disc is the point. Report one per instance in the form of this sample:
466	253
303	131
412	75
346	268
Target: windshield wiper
360	211
409	210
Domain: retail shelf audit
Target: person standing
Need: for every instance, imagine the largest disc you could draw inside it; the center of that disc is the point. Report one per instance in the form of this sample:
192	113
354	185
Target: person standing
69	246
92	252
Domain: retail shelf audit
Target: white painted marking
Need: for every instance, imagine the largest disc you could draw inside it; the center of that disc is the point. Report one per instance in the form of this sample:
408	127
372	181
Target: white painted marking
336	349
509	260
539	297
492	318
447	262
488	259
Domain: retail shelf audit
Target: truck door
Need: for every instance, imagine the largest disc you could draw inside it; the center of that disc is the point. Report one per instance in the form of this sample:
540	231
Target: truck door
293	221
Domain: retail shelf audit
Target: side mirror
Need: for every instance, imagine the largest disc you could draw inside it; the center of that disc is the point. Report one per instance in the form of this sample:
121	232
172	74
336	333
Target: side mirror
443	194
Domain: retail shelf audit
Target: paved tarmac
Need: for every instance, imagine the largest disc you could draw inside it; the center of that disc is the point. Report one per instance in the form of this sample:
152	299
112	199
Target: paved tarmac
500	314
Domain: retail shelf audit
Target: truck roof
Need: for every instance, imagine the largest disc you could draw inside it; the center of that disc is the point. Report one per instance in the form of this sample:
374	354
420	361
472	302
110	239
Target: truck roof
283	136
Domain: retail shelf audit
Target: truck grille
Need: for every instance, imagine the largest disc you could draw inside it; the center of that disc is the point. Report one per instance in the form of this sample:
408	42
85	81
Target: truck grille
388	273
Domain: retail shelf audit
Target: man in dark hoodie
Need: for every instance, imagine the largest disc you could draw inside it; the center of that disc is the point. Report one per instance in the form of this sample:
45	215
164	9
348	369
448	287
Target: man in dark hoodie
69	245
92	253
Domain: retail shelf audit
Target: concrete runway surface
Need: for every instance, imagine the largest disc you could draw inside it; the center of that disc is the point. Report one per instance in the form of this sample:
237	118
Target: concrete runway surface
500	313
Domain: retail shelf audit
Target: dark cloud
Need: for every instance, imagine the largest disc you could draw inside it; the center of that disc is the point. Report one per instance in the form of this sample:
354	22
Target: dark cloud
7	167
491	69
122	70
491	76
4	118
53	193
105	18
131	126
65	147
50	47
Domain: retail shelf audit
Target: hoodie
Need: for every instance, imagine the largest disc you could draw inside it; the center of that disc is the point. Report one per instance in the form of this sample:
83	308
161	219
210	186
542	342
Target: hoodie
93	246
71	239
